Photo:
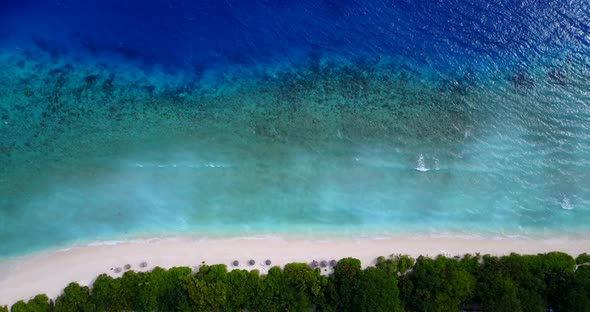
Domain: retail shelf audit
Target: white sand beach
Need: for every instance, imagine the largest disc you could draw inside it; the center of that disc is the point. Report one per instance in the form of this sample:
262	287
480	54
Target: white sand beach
50	271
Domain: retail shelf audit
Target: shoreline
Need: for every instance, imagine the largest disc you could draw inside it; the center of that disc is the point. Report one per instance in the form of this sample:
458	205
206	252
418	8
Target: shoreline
301	234
50	271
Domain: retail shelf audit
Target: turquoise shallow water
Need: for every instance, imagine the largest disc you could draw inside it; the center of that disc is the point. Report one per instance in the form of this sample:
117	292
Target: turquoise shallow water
92	153
121	119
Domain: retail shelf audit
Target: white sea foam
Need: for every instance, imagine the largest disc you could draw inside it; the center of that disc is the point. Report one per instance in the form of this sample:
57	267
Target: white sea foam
193	166
107	243
421	164
262	237
566	204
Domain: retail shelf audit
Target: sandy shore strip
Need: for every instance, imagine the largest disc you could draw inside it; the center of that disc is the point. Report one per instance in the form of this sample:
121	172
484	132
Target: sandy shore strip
50	272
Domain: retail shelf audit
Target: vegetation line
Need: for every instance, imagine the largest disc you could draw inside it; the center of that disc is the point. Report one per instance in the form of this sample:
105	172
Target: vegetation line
543	282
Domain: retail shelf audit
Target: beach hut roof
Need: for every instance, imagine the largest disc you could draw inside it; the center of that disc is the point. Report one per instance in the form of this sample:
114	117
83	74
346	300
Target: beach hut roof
314	264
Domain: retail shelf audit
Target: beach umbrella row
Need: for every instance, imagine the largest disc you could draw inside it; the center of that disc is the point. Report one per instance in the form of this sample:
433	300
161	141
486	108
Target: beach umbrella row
314	264
251	262
322	264
128	267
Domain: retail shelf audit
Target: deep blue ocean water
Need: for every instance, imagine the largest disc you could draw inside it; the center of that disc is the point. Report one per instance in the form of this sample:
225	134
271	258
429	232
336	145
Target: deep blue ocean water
311	118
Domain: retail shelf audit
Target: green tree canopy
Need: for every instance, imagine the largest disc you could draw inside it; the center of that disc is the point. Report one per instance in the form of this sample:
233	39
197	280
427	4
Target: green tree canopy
39	303
395	264
344	284
583	258
207	289
558	272
577	294
169	291
525	272
275	295
19	306
75	298
515	283
496	291
138	291
107	295
441	285
377	292
242	288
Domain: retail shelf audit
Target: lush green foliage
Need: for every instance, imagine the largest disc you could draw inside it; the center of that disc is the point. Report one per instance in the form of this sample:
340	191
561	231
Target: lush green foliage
39	303
377	291
207	289
345	283
243	285
395	263
577	292
170	293
525	283
440	284
75	298
583	258
398	283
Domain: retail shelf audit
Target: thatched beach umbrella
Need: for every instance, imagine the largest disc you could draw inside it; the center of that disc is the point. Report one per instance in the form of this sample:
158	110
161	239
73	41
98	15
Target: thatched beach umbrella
267	262
127	266
251	262
333	263
117	270
143	264
324	263
236	263
314	264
